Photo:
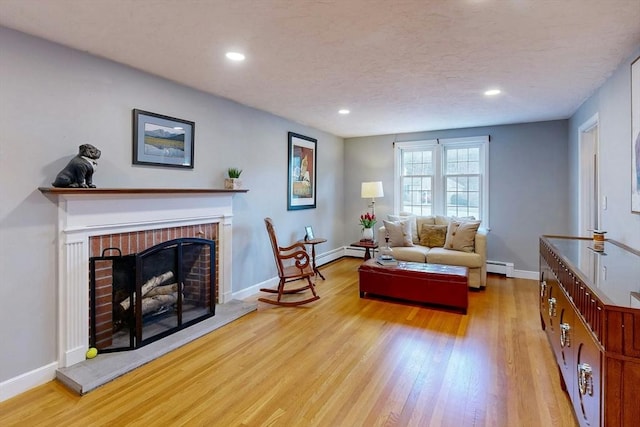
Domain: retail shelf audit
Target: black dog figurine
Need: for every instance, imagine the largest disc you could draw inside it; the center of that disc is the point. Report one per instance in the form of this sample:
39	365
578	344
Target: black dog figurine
79	170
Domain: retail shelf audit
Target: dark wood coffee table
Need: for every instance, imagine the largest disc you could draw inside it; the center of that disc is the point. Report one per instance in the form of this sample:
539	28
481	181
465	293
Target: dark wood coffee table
438	284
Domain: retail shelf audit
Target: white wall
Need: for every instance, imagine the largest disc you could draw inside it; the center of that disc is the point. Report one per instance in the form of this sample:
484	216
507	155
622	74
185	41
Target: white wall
612	103
528	183
54	99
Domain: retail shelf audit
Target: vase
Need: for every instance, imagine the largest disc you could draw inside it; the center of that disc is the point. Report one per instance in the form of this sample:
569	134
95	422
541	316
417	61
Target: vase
367	234
232	183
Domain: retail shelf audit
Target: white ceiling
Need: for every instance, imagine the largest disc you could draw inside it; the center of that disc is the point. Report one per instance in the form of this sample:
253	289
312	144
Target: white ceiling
398	65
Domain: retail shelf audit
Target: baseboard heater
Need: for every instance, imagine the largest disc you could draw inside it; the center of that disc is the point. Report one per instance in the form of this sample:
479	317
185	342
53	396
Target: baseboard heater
500	267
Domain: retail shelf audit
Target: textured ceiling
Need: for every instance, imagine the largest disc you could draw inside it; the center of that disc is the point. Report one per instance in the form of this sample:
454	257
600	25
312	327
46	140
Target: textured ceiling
399	66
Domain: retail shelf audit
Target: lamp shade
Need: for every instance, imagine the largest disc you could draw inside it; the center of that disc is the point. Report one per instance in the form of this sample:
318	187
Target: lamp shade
371	190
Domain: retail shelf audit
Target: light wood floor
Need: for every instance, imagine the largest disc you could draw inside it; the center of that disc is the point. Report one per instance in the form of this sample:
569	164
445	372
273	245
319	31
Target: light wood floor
340	361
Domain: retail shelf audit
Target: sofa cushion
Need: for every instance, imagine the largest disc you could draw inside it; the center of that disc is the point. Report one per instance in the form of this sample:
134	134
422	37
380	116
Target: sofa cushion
399	232
416	223
433	236
410	253
451	257
461	235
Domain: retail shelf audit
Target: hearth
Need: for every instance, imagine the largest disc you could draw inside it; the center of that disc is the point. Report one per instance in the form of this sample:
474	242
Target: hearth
142	297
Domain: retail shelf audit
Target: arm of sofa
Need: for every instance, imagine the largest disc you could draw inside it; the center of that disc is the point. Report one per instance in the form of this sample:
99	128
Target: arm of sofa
481	249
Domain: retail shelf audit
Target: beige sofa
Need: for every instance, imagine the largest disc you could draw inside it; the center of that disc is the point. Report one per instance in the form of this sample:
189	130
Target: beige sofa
473	256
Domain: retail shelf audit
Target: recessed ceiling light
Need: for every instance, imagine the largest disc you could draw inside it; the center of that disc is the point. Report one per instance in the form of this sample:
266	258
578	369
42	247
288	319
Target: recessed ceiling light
492	92
235	56
344	111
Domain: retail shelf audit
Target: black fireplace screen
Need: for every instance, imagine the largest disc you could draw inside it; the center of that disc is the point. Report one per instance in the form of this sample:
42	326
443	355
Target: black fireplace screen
139	298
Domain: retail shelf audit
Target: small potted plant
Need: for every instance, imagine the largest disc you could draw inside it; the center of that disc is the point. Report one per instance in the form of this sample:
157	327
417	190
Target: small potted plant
233	182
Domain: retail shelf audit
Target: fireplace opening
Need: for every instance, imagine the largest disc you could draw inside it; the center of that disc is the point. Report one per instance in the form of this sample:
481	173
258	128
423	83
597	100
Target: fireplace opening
139	298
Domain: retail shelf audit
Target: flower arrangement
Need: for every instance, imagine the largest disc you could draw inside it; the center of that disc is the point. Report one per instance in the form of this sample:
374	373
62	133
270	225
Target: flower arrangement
367	220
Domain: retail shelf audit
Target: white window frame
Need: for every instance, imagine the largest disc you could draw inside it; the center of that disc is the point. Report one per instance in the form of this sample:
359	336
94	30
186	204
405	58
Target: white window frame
439	198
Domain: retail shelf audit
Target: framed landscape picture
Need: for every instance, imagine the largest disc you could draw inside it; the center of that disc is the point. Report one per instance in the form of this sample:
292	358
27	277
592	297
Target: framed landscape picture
162	140
635	136
301	181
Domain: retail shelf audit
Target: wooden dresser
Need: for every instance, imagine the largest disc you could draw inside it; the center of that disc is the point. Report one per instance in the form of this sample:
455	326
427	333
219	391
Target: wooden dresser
590	311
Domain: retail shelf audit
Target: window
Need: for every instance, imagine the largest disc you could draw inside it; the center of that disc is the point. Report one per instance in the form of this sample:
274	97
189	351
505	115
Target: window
443	177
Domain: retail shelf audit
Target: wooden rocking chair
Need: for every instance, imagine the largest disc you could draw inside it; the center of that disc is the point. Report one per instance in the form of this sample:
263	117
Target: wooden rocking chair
302	269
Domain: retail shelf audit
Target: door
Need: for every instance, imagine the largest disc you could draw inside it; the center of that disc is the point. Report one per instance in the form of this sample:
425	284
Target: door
588	181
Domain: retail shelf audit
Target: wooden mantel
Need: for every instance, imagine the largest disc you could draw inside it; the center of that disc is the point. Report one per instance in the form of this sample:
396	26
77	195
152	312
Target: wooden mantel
94	191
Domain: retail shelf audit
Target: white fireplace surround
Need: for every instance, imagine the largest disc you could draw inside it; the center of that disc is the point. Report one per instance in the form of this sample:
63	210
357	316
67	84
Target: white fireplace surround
86	213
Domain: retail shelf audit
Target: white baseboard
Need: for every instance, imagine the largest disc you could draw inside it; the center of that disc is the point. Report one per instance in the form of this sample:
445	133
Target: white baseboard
500	267
507	269
354	252
14	386
252	290
327	257
524	274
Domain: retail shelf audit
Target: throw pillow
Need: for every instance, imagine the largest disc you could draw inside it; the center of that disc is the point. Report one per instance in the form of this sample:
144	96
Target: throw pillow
399	233
442	220
433	236
416	223
421	220
405	216
461	236
445	220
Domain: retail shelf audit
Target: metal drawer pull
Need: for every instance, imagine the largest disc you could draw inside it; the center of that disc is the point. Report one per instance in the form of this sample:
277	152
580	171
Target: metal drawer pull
552	307
565	339
585	379
543	288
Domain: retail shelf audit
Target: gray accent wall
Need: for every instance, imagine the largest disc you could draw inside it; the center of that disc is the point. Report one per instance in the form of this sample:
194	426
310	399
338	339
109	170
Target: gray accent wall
612	103
54	98
528	183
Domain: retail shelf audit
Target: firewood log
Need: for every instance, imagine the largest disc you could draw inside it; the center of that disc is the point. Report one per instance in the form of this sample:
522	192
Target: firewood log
147	287
162	290
150	305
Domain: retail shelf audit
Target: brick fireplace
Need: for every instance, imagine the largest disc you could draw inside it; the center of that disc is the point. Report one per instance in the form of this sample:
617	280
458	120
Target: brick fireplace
118	324
91	218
